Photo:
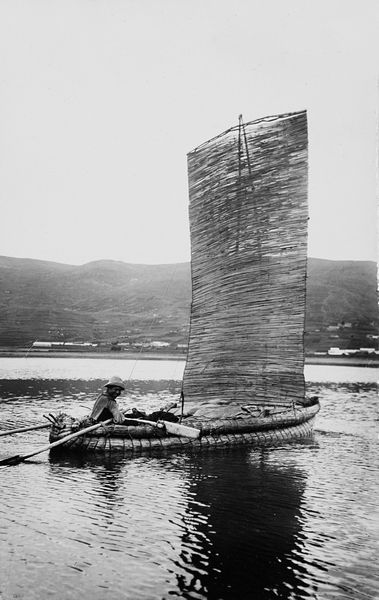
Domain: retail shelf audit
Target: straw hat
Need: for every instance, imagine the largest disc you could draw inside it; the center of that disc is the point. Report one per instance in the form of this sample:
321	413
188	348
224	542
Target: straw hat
116	381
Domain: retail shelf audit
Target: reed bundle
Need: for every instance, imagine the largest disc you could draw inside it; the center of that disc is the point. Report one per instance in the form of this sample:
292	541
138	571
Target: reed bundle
248	220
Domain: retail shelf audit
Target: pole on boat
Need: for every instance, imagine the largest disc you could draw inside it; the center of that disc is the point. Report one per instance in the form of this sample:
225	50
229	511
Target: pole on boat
21	429
17	458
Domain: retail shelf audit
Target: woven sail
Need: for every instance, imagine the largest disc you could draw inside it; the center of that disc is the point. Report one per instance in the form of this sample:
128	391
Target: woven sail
248	221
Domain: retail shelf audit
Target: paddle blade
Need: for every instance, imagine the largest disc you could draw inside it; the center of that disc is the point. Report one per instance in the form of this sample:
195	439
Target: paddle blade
181	430
11	460
174	428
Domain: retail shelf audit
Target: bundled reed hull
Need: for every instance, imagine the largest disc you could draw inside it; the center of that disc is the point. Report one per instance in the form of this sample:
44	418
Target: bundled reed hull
216	432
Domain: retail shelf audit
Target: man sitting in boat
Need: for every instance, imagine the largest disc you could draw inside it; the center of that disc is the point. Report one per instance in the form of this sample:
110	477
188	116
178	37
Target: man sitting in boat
105	406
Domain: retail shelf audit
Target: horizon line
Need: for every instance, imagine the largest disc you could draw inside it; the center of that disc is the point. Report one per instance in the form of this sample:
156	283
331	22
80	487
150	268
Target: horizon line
116	260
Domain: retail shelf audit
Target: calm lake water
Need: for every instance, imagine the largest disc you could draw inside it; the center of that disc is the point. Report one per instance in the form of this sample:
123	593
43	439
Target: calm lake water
298	520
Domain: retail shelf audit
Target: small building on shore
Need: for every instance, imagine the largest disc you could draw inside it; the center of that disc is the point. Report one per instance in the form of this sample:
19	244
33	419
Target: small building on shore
335	351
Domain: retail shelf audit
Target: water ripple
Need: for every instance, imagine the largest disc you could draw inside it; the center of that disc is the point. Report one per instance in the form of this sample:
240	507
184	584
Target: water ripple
295	521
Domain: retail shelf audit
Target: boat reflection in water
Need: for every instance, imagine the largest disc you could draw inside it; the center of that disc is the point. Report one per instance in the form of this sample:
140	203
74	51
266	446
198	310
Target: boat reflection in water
248	525
221	524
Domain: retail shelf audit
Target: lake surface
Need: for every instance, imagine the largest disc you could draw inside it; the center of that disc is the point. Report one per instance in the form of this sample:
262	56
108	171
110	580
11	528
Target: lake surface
293	521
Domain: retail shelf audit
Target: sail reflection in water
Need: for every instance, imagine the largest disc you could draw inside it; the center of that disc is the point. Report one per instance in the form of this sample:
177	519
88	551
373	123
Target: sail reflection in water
247	527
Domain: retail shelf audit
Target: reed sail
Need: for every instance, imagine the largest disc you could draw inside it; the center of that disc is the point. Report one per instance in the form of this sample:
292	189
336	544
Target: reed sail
248	221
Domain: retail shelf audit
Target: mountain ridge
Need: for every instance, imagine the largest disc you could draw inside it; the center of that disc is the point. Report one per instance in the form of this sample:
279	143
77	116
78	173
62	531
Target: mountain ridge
105	300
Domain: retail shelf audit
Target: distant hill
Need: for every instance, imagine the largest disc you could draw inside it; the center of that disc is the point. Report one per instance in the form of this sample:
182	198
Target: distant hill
341	291
101	300
111	300
345	293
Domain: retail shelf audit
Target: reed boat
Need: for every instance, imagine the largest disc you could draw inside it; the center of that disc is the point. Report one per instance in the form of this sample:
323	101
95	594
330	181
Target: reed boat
249	427
243	380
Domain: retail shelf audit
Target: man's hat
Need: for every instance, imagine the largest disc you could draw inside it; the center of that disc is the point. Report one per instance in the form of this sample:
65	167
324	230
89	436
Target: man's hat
116	381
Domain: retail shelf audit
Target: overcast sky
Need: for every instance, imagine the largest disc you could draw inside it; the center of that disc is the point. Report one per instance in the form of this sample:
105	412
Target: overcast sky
100	101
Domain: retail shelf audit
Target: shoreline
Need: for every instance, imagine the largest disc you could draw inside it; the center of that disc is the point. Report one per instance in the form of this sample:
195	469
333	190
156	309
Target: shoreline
309	360
27	353
342	361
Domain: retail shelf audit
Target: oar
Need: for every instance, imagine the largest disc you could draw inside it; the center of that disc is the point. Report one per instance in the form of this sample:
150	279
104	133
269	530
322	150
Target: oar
14	460
24	429
174	428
